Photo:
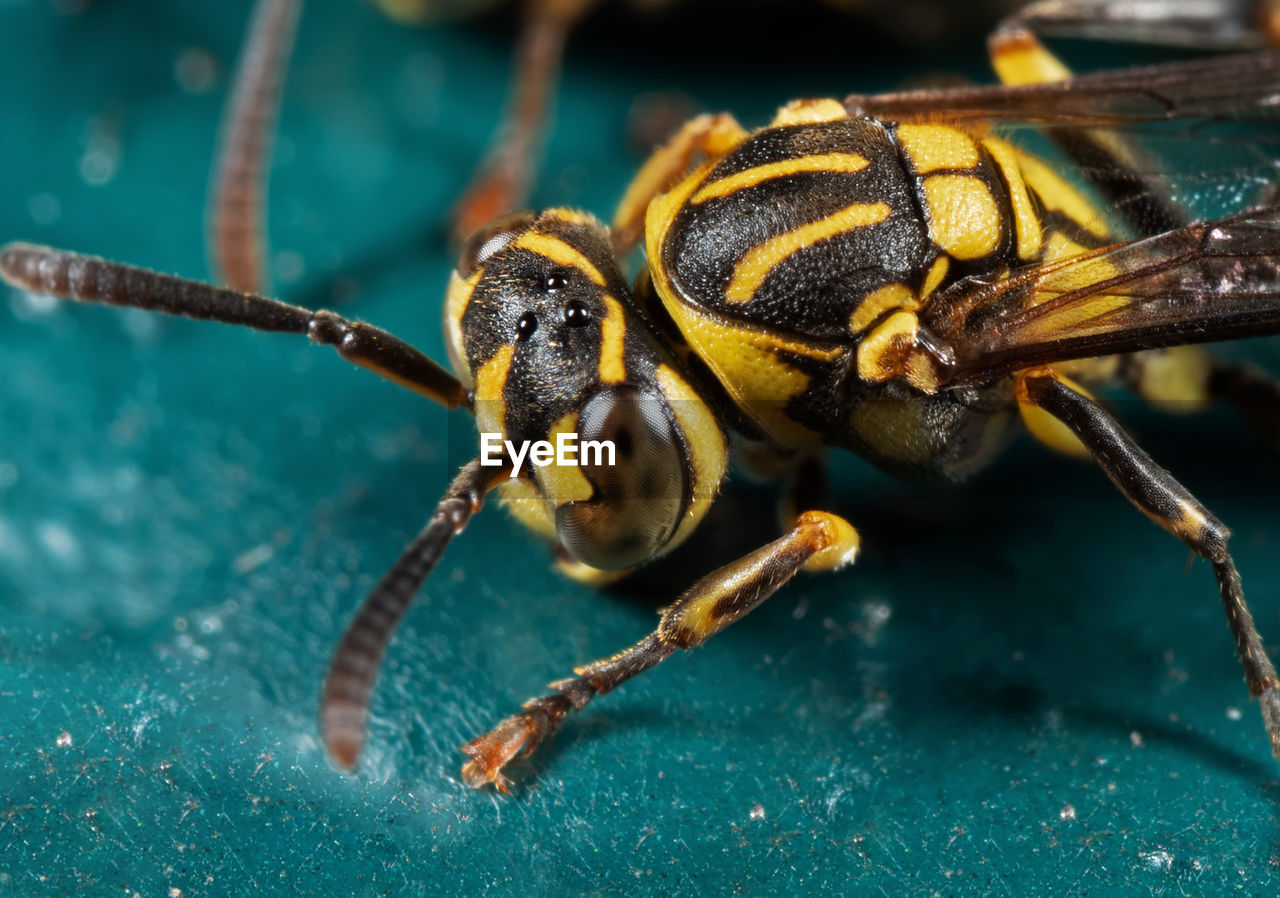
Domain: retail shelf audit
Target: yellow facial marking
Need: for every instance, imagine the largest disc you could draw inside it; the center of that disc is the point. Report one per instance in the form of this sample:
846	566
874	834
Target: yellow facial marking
456	297
583	573
563	483
1026	224
894	296
964	219
810	112
613	329
819	162
883	352
559	252
522	500
937	272
491	408
709	454
932	147
755	266
1057	195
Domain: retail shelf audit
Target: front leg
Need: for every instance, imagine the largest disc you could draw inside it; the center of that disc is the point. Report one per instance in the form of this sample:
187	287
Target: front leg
819	541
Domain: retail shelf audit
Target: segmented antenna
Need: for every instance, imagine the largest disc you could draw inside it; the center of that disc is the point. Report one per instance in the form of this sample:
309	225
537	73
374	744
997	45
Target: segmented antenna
344	710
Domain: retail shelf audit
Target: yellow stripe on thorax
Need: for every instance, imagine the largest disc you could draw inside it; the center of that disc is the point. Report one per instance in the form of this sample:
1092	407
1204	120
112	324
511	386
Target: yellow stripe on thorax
932	147
559	252
756	265
818	162
963	216
1027	226
747	363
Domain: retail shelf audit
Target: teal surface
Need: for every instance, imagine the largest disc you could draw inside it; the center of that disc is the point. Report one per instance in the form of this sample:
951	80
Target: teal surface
1018	690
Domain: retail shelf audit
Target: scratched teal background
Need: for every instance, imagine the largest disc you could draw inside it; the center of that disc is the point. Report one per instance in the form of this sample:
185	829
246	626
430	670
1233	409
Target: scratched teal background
1018	690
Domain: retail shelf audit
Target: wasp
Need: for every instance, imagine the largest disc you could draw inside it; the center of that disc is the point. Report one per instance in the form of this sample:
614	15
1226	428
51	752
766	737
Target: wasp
894	275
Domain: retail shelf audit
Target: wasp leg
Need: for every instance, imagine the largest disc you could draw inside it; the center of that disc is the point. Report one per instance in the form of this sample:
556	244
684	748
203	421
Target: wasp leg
503	182
1117	167
344	710
1187	379
818	541
65	275
239	185
1155	492
714	136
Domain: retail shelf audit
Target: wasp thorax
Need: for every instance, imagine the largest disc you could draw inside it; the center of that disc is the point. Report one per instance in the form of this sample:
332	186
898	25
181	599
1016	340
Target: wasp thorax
637	488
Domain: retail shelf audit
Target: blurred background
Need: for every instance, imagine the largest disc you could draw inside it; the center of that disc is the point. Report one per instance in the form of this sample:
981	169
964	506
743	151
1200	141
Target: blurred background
1019	687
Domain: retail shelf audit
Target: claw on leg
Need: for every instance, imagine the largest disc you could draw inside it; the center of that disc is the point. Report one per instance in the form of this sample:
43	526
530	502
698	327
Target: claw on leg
515	737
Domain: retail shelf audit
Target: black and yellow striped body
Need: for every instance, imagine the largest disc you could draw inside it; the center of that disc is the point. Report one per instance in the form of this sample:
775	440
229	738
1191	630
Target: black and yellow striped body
798	267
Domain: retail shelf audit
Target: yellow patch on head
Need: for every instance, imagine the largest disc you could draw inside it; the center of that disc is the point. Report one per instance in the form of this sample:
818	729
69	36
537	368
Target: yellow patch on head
563	483
963	217
560	252
613	330
520	497
709	453
456	297
933	147
756	264
491	408
758	174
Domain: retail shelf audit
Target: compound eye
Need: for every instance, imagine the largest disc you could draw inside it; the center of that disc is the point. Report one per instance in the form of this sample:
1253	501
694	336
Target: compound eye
492	238
637	501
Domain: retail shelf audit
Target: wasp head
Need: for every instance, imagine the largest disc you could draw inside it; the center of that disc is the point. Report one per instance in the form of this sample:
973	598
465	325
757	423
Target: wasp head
543	330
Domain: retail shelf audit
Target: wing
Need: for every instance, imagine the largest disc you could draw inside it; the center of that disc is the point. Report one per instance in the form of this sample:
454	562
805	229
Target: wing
1216	280
1194	24
1243	87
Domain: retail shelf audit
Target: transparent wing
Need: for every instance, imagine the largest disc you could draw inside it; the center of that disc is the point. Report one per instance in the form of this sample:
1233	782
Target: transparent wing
1243	87
1214	280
